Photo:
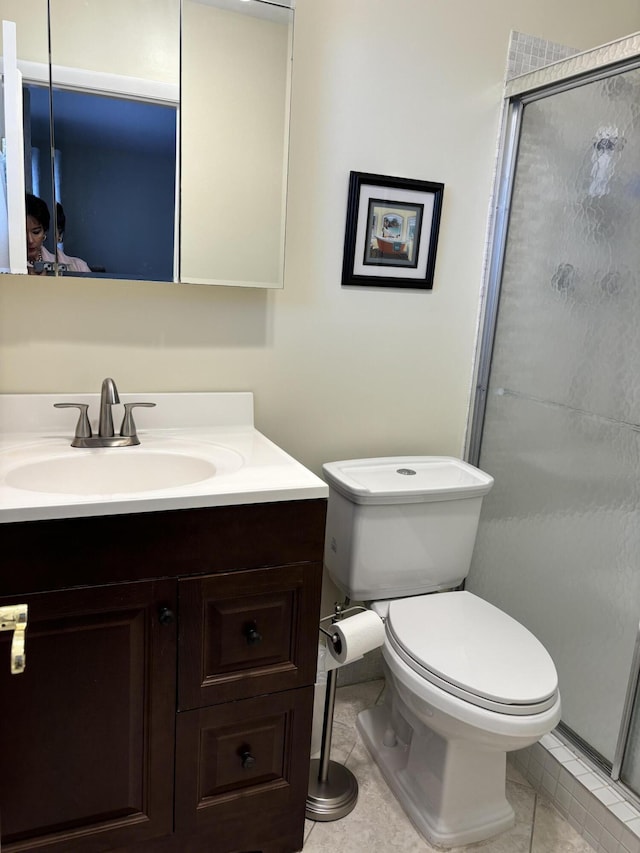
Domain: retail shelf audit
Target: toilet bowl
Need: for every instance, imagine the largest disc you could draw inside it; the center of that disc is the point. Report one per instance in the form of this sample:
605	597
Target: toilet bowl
449	718
466	683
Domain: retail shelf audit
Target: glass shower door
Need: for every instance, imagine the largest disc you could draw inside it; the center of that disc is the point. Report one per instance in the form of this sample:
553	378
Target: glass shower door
559	540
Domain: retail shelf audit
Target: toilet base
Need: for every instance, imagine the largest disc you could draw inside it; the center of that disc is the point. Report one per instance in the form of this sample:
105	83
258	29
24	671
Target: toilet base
453	793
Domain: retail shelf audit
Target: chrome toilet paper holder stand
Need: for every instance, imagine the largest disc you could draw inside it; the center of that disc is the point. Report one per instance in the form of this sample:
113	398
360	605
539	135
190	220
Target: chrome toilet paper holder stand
333	789
336	616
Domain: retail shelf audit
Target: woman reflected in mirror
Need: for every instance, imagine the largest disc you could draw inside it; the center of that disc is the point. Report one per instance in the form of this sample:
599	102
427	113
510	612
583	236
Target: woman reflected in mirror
38	221
39	258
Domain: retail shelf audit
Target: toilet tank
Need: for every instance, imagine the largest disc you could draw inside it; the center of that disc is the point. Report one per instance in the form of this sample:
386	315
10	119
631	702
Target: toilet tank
401	526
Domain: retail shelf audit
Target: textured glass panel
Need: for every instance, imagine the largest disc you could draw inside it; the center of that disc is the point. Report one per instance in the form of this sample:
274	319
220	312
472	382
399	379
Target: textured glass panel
558	548
559	540
570	303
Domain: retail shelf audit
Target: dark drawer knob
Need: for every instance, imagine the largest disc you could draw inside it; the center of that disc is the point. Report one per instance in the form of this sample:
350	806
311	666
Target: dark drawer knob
252	634
248	761
166	616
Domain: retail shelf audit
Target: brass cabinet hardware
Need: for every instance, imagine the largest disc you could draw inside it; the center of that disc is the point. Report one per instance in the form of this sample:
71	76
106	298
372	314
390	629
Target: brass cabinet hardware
14	618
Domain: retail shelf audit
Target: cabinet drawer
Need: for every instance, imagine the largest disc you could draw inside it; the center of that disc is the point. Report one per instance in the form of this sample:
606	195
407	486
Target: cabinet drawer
245	758
246	633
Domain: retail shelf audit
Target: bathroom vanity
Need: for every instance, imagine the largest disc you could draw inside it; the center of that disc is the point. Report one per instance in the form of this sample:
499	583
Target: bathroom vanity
171	642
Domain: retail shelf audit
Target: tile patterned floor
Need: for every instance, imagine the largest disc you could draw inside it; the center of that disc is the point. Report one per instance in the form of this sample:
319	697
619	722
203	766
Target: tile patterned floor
379	825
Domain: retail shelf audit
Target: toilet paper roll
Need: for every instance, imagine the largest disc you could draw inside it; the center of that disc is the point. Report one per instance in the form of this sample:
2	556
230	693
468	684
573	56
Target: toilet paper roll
356	635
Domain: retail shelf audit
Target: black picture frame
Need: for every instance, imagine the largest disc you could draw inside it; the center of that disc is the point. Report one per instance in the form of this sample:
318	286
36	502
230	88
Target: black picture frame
391	235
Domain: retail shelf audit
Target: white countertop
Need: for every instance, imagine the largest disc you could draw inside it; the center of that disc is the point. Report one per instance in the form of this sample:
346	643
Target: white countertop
215	425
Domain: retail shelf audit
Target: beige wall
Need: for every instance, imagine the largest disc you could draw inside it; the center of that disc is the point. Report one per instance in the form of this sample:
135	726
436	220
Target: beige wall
31	27
336	372
147	47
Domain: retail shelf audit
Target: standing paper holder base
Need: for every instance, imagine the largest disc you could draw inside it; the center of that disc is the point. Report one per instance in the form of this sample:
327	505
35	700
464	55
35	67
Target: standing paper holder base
333	789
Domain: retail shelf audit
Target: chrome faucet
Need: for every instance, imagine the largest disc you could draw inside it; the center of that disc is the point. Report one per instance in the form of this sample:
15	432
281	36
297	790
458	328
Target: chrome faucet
106	437
108	397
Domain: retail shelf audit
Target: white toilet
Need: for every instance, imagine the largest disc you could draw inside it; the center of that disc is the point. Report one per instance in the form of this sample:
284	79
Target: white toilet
465	682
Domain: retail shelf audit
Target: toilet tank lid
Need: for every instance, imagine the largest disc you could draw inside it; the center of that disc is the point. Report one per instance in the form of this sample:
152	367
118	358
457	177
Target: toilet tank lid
406	479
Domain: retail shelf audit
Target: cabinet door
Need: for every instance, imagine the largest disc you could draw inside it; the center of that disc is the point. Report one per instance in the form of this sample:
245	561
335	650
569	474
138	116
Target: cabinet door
242	771
86	732
247	632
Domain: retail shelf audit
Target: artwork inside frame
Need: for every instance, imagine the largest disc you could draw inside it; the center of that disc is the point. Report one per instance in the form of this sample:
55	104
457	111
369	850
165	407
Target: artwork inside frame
391	234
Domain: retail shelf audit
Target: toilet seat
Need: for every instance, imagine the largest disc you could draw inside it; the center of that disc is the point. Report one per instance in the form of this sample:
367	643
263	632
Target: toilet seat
473	650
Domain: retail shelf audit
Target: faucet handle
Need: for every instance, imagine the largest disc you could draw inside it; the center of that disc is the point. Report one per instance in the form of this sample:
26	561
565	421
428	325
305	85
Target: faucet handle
128	428
83	427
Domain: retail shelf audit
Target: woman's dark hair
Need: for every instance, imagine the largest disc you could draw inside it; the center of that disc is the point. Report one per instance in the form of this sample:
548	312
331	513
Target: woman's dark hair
37	208
61	219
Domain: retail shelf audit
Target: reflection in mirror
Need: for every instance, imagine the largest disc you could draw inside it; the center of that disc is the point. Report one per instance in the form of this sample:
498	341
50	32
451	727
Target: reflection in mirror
236	65
115	174
114	74
25	73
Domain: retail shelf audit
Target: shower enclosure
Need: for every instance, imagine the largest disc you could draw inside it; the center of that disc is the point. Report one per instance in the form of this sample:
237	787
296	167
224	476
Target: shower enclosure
557	413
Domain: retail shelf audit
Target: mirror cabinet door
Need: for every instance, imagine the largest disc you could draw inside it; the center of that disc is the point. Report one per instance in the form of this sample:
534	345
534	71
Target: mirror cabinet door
115	95
24	46
236	69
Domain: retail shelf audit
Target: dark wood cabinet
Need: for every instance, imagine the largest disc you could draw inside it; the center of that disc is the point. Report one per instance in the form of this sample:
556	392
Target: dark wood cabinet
162	708
242	759
246	633
86	761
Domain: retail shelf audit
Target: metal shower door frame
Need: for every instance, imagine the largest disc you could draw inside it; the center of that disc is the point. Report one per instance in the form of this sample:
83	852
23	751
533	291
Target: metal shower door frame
518	93
513	110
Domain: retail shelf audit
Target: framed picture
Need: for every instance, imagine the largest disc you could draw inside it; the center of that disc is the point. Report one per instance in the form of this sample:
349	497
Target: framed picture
392	231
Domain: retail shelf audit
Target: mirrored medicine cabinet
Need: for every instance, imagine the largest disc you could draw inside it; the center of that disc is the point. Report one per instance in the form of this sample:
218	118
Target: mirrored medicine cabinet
156	132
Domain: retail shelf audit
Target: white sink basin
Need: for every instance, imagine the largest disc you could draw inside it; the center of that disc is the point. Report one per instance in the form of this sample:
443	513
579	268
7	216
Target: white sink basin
119	471
197	450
